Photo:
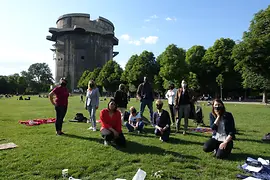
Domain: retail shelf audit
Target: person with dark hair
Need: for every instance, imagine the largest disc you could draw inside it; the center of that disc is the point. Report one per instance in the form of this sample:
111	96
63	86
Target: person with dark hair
134	121
182	105
60	103
92	103
223	125
162	122
145	94
170	95
111	127
121	100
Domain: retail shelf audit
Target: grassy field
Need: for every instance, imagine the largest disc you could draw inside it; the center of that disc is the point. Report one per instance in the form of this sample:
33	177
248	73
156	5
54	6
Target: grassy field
42	155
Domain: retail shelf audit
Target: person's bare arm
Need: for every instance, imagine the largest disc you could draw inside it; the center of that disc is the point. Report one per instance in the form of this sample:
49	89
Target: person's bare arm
51	94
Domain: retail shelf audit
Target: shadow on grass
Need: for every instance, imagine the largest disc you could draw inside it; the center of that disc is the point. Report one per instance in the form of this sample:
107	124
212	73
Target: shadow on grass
136	148
244	156
98	140
184	142
249	140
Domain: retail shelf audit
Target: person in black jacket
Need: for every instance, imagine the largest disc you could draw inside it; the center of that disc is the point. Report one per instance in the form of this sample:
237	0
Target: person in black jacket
162	122
121	100
222	123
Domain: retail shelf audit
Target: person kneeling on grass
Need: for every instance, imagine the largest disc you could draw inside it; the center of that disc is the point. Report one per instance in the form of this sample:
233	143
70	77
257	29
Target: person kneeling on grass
222	123
162	122
134	121
111	125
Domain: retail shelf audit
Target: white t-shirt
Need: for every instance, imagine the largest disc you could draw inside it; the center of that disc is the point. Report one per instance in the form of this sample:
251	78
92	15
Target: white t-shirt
221	133
170	95
133	119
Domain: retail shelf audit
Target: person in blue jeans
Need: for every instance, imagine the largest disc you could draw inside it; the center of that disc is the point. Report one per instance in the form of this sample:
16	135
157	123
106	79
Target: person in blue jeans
162	122
145	94
134	122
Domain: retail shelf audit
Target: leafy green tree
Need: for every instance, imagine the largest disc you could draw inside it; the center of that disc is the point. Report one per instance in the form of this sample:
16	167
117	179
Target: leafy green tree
81	82
109	76
252	55
173	67
126	75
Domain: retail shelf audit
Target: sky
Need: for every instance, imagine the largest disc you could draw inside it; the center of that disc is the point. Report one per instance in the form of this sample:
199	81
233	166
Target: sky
139	25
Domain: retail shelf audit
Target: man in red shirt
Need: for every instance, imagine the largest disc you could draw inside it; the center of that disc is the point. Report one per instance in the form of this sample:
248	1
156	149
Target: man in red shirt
111	125
60	103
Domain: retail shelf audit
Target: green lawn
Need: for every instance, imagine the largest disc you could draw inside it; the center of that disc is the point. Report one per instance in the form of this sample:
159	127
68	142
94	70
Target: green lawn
42	155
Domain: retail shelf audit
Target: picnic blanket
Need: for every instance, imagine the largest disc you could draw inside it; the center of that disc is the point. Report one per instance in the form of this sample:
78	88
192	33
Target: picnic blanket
35	122
202	130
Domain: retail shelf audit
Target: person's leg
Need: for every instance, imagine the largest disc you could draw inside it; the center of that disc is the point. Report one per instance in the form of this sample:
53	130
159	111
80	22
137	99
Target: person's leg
129	127
122	110
58	117
142	106
150	107
157	132
93	117
166	135
210	145
172	112
121	140
186	116
224	153
107	135
178	120
63	113
140	126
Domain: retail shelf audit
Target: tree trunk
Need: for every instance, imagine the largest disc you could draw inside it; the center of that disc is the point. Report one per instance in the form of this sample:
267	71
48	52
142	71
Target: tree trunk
264	99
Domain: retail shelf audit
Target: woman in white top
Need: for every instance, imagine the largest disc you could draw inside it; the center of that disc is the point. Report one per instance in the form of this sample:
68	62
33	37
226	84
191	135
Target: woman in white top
92	103
170	95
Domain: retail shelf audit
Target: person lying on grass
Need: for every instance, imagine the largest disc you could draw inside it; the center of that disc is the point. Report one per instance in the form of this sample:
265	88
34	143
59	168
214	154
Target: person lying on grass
222	123
134	121
111	125
162	122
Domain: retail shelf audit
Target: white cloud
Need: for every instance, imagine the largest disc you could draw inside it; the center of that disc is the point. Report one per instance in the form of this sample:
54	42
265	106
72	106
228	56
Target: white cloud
135	42
126	37
170	19
147	20
149	39
154	17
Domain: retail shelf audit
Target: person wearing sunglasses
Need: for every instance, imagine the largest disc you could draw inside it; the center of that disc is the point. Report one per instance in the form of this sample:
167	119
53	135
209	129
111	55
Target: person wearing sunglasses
162	122
111	125
223	126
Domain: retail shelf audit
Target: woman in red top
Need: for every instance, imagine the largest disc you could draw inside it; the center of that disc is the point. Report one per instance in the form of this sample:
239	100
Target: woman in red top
60	103
111	125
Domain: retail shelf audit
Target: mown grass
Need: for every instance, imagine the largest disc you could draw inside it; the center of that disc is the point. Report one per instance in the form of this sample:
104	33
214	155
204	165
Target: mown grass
42	155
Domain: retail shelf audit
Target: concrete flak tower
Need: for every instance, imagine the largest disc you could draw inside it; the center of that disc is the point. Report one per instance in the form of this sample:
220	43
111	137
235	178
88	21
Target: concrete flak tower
81	44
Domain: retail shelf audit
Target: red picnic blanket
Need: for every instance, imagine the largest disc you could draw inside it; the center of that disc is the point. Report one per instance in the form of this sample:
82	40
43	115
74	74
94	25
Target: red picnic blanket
35	122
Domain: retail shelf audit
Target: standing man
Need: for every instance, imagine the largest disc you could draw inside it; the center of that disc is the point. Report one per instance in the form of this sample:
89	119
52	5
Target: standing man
121	100
145	94
60	104
182	105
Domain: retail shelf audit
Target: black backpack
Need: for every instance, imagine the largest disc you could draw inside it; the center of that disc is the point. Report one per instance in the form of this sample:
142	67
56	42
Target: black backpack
80	118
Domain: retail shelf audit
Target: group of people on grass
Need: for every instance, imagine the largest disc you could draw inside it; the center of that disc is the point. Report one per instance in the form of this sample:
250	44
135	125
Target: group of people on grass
179	100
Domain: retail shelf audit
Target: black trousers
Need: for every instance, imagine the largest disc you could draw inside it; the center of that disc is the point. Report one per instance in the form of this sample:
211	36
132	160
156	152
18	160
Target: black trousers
172	110
60	114
120	141
213	144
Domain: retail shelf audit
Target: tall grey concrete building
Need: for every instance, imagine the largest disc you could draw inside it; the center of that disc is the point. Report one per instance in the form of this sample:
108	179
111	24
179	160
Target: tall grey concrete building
81	44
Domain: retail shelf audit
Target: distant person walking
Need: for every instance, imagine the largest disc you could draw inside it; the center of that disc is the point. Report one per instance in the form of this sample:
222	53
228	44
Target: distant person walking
145	94
60	103
92	103
82	98
182	105
170	95
121	100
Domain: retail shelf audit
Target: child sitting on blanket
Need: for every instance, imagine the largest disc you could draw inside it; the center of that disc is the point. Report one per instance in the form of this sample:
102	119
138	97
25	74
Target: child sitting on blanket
134	121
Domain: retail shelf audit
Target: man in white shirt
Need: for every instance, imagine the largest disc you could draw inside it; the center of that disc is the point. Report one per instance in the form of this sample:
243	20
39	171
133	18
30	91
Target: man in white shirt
170	95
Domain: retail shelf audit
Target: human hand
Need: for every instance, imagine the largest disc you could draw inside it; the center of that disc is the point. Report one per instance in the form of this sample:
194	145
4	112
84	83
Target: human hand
96	107
223	145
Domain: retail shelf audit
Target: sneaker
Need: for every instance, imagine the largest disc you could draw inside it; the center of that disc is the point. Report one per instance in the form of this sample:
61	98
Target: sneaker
94	129
90	128
106	143
161	139
88	121
184	132
139	132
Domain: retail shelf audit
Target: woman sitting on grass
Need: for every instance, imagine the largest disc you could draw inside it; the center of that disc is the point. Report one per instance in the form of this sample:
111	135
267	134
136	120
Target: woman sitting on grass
162	122
134	121
111	126
222	123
